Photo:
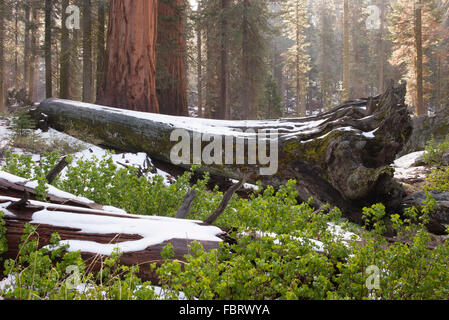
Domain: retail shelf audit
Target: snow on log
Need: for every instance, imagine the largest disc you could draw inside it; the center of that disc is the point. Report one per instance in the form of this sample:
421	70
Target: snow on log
341	156
96	230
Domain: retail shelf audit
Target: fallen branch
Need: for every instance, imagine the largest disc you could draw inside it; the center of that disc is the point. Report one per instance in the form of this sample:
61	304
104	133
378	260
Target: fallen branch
184	210
21	204
226	198
57	170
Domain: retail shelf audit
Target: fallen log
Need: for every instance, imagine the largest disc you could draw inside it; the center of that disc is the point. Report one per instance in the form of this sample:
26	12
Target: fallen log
96	230
341	157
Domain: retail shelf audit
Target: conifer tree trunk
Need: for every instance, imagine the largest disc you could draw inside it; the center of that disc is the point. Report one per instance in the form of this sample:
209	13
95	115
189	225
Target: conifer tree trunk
2	58
27	48
36	55
247	112
346	71
200	70
33	54
101	51
212	85
300	101
87	52
223	105
130	66
64	76
47	49
420	110
171	81
16	49
381	47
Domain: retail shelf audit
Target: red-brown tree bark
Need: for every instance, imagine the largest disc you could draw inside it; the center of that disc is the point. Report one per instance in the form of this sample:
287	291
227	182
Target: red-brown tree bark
171	81
130	66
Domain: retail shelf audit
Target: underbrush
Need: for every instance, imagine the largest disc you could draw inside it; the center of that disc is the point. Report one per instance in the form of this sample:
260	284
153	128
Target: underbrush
438	180
275	255
24	135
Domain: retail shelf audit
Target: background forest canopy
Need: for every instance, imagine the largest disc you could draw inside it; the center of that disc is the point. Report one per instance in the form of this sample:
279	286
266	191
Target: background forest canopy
235	59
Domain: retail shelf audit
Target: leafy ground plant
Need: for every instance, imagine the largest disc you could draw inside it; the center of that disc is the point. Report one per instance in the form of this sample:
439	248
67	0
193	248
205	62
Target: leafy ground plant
283	249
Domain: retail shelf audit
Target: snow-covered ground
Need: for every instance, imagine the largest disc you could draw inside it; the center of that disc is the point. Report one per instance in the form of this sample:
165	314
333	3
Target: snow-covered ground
88	151
406	170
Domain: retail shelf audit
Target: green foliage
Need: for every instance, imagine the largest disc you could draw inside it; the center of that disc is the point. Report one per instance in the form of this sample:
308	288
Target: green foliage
273	99
438	180
435	151
22	123
273	257
283	267
3	241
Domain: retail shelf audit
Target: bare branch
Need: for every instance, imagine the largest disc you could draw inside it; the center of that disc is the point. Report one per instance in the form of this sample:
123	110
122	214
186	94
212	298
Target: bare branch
226	198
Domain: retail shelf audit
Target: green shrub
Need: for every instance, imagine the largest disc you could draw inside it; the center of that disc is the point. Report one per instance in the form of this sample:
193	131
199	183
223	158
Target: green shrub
435	151
3	241
272	258
438	180
22	123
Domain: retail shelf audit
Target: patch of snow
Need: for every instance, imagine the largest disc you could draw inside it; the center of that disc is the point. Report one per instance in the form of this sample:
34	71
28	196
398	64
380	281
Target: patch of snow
317	246
370	135
339	232
7	283
408	160
57	193
405	169
246	185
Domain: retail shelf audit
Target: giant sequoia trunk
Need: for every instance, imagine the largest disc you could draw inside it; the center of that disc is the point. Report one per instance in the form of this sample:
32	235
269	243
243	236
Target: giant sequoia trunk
171	80
130	66
341	156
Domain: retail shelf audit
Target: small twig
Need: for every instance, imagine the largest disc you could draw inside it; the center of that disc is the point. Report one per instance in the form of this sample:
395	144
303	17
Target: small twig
226	198
57	170
123	165
21	203
184	210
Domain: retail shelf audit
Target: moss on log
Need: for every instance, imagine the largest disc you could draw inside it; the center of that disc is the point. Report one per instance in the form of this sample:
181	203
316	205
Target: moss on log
341	156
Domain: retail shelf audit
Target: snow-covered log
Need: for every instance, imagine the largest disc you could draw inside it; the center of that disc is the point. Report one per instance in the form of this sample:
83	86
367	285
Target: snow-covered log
97	230
341	156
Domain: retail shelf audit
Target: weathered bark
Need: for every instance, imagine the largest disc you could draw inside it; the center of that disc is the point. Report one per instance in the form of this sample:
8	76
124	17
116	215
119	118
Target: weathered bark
25	210
16	49
34	65
171	80
223	112
130	66
64	77
27	48
48	52
245	62
200	71
341	156
101	50
88	82
420	109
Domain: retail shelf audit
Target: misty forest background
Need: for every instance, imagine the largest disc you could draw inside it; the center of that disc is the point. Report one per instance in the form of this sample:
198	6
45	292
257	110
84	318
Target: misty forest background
234	59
